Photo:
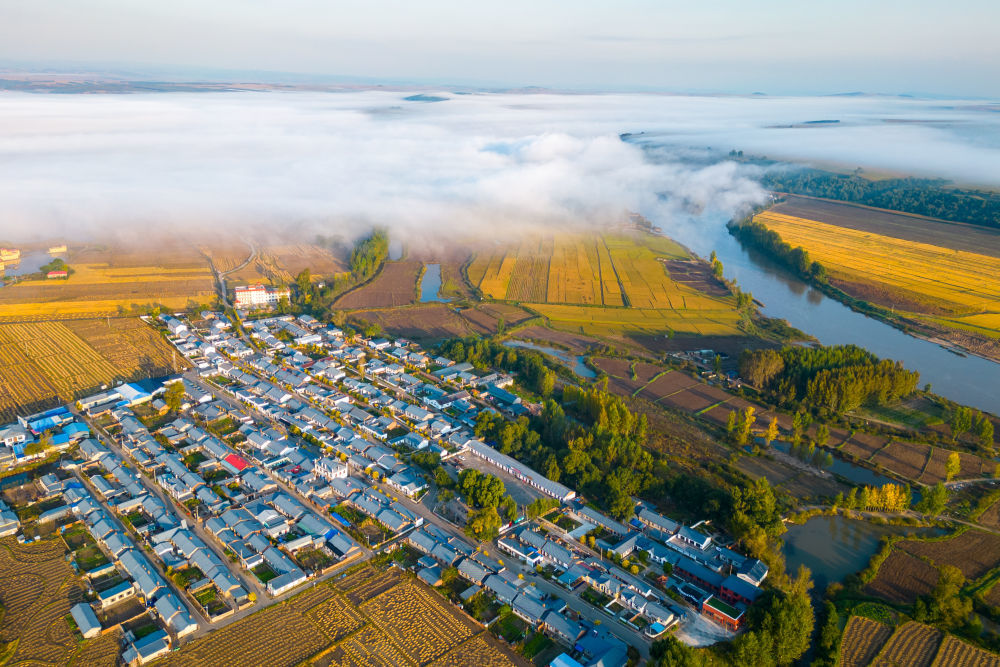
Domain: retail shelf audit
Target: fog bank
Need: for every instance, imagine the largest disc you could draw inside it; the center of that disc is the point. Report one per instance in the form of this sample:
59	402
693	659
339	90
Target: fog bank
300	164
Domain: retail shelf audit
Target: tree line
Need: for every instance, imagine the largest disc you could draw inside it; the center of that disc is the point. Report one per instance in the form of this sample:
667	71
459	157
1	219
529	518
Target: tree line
796	259
922	196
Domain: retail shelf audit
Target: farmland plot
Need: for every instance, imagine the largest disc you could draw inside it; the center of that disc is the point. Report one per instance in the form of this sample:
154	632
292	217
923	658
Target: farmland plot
395	285
912	644
956	653
106	287
902	578
37	589
423	627
862	640
974	552
42	363
962	291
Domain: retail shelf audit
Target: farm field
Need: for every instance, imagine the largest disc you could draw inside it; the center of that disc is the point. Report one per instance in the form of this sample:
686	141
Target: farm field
108	281
902	578
46	362
705	318
912	644
368	617
37	589
991	517
974	552
438	320
907	226
963	290
395	285
608	284
862	640
956	653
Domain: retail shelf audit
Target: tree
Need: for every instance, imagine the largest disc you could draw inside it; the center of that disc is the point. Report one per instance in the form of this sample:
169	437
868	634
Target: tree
174	396
508	509
829	634
984	432
961	421
771	433
946	605
670	652
480	489
747	419
484	525
552	470
731	423
822	435
33	448
798	422
759	367
934	500
547	383
953	466
442	478
717	365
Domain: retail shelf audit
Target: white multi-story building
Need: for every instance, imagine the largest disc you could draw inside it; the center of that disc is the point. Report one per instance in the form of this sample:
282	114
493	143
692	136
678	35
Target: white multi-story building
251	296
329	469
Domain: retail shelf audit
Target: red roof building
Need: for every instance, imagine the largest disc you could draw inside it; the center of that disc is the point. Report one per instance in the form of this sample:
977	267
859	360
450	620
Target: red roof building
57	274
237	462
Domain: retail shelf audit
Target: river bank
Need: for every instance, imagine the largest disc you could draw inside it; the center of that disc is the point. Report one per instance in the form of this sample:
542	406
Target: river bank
951	339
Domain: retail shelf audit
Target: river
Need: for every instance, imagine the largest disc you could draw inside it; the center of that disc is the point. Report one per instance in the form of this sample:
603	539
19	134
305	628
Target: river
969	380
833	547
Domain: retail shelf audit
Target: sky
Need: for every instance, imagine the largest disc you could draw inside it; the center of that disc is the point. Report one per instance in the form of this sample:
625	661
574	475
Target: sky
297	164
923	47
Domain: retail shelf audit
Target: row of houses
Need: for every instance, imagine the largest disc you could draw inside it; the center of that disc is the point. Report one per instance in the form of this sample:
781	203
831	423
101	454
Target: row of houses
489	576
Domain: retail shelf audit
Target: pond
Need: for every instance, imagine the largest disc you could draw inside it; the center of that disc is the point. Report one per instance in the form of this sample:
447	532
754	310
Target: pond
575	363
30	262
430	284
833	547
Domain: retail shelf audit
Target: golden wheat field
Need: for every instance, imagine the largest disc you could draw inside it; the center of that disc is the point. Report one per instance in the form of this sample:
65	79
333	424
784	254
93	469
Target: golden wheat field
107	289
863	638
46	362
604	284
37	588
369	617
957	287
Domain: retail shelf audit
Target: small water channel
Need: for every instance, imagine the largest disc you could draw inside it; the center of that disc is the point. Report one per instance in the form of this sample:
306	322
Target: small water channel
833	547
575	363
849	471
430	284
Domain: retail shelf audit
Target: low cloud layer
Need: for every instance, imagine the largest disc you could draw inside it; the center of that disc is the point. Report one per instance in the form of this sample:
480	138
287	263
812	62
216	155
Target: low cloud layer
297	164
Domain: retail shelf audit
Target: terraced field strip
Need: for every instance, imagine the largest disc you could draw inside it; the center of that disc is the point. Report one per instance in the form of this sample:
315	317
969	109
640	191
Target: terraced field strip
651	381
